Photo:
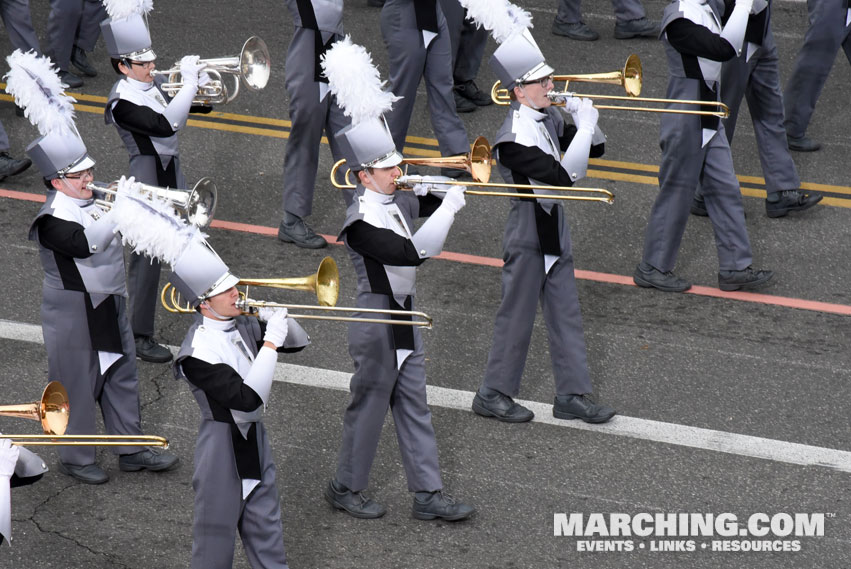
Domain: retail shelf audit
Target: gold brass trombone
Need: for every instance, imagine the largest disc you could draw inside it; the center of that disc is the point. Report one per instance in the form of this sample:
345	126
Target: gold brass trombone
630	78
477	162
324	283
197	206
53	411
251	67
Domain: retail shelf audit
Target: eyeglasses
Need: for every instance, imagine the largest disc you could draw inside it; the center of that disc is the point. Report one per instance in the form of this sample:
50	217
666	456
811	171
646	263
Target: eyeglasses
143	63
80	175
543	81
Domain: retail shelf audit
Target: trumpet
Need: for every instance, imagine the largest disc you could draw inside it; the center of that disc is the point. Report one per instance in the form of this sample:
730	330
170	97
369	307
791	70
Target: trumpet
630	79
197	206
53	411
251	67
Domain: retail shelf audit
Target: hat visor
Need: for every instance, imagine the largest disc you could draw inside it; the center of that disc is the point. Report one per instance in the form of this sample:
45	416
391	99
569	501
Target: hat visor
225	285
84	164
539	73
143	56
393	159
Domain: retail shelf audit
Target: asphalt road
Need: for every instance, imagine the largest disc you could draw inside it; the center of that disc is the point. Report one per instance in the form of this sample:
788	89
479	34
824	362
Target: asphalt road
765	366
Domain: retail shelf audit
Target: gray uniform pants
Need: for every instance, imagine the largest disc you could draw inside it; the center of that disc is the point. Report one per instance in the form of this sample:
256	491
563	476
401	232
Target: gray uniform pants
827	32
375	386
73	22
310	120
467	42
19	25
4	139
683	166
758	80
220	510
72	361
410	62
524	285
570	11
143	273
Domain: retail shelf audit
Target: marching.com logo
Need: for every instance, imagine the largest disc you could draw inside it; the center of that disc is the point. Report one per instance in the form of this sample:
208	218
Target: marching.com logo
683	531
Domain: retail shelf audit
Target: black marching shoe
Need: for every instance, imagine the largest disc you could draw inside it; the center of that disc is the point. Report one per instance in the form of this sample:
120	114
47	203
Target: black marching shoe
10	166
639	28
470	91
301	234
698	207
462	105
82	63
575	31
791	200
148	459
802	143
88	474
746	279
647	276
149	350
501	407
70	79
353	503
581	407
440	505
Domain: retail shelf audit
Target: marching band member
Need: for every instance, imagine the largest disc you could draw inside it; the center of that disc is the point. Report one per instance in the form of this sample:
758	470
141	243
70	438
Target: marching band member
318	24
147	120
695	150
389	360
229	362
536	246
84	317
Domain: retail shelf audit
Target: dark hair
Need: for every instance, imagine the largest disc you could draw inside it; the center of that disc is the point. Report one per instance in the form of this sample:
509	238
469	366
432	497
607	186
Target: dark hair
48	184
114	61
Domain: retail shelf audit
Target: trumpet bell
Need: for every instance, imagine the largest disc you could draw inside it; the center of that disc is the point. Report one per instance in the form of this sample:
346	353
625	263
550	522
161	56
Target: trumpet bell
52	410
254	63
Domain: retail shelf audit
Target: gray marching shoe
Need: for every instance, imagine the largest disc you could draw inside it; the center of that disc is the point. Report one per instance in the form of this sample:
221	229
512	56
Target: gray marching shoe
581	407
88	474
148	459
355	504
746	279
442	506
148	350
575	31
639	28
647	276
301	234
501	407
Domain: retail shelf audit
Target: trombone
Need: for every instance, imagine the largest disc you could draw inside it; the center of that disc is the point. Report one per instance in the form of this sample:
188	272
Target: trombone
251	67
478	163
324	283
630	78
197	206
53	411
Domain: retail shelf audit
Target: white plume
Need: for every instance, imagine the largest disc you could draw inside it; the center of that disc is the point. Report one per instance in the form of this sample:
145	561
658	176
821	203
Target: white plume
500	17
355	81
151	226
121	9
37	89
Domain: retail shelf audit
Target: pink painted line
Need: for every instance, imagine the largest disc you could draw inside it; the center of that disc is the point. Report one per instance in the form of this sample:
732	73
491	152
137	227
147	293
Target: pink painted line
799	303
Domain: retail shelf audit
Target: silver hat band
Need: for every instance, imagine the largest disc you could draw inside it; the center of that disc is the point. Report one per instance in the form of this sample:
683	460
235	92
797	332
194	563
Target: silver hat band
379	159
531	72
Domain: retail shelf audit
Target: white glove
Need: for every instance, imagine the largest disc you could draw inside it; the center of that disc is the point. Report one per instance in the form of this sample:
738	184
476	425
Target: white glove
190	69
586	117
571	104
8	458
204	78
127	185
432	183
454	199
265	313
276	327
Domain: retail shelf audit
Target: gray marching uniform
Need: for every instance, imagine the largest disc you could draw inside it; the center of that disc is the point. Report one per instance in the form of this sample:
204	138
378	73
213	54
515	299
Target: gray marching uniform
315	31
467	40
234	477
688	159
525	280
402	25
758	80
570	11
829	29
19	25
154	160
379	380
73	22
85	327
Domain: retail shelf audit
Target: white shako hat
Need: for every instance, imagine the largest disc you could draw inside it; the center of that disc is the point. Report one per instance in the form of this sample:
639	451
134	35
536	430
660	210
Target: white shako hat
125	32
199	273
357	86
59	153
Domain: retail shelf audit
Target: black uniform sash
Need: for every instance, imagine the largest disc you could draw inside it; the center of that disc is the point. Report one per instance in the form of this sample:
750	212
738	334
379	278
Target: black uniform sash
426	11
308	21
403	336
103	325
247	452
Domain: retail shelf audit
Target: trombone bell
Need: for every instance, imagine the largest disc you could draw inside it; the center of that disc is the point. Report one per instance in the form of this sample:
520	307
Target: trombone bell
52	411
324	283
477	162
